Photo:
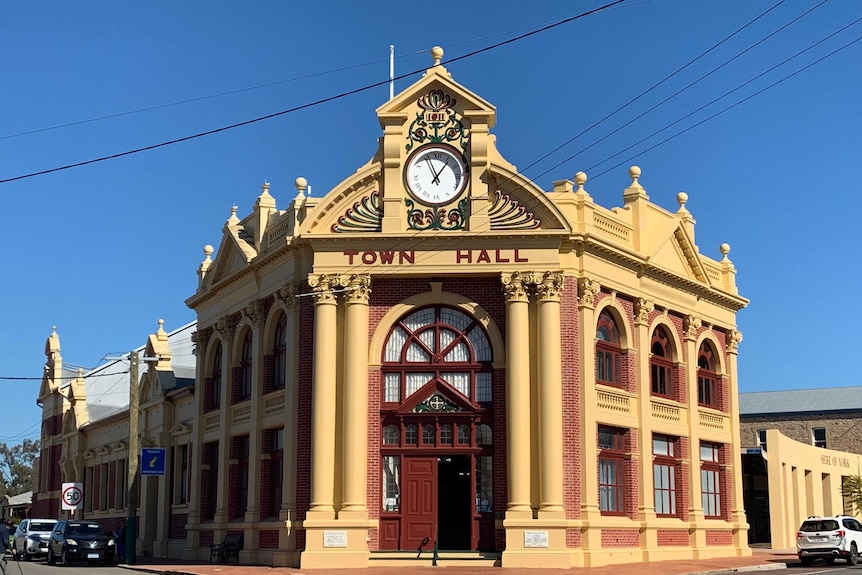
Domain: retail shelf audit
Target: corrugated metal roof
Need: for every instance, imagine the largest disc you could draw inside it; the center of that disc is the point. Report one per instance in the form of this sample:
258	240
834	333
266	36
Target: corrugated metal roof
107	386
801	401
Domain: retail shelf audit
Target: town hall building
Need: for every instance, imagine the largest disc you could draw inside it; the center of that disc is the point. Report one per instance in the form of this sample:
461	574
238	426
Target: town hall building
438	355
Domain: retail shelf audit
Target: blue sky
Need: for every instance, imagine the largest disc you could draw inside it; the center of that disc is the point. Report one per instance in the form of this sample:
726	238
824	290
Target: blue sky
103	251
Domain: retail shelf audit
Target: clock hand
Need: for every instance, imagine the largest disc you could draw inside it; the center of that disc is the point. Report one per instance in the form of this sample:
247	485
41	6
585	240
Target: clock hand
435	176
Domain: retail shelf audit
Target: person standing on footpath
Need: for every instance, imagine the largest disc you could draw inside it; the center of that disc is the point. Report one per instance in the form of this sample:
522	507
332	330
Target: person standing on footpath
4	545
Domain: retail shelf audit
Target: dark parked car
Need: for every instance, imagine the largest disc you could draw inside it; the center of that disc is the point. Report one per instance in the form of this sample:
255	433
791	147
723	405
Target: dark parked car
80	541
31	537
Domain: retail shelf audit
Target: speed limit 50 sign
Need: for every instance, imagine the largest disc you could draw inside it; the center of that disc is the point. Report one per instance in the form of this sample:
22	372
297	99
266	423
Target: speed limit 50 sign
72	496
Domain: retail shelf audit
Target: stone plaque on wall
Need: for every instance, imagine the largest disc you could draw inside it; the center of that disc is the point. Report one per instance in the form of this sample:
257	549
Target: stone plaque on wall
335	538
534	539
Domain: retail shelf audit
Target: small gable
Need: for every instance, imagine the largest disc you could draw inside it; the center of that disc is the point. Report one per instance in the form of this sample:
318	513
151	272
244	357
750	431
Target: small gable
678	254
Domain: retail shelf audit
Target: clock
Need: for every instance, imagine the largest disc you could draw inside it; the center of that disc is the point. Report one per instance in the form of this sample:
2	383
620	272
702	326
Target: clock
435	174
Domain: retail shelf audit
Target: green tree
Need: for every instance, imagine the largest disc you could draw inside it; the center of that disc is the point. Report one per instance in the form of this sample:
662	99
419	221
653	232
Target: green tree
851	489
16	466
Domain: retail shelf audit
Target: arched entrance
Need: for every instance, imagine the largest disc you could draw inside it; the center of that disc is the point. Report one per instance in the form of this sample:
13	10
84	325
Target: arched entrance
437	433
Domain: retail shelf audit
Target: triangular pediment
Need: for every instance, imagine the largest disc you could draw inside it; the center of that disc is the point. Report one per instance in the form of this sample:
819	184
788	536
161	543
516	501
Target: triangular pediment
436	397
678	254
436	78
231	257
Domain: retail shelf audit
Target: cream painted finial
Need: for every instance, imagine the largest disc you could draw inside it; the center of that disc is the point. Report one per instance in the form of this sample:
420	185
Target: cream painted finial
580	180
161	323
301	185
437	55
53	329
681	199
208	251
724	249
265	185
634	174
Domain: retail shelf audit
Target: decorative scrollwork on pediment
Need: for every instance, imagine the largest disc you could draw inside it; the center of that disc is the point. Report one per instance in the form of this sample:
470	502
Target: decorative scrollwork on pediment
436	218
508	213
436	404
437	121
365	215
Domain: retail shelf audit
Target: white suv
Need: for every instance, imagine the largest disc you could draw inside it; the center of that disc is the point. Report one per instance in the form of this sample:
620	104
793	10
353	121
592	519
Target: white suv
829	538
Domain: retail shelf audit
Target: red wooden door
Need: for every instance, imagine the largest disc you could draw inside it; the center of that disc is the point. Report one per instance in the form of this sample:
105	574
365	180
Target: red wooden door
419	515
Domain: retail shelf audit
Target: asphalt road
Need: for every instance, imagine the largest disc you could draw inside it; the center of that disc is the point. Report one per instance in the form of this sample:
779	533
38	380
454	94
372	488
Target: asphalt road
41	568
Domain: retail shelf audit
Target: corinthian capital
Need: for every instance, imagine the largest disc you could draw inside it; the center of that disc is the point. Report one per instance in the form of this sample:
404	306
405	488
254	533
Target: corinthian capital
734	337
587	291
515	286
254	313
286	296
548	286
358	288
690	325
321	286
224	327
643	307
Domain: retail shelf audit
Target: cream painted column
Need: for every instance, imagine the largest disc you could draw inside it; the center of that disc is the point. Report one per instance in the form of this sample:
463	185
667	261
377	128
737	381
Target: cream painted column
549	351
200	340
697	538
356	397
323	399
225	327
587	291
517	395
646	504
256	317
737	504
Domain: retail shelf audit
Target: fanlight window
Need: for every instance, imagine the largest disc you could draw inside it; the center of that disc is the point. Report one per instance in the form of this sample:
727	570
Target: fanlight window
437	344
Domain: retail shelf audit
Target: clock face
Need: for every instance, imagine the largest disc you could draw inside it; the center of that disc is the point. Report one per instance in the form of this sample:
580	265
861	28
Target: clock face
435	174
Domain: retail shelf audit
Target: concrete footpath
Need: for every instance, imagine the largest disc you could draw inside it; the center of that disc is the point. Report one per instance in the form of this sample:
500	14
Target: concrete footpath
761	560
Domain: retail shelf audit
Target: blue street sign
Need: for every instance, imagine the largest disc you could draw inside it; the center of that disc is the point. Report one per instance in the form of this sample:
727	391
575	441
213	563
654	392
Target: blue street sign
153	461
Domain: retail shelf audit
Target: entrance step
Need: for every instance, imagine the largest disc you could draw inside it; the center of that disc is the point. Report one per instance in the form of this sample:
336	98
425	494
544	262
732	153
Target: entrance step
426	559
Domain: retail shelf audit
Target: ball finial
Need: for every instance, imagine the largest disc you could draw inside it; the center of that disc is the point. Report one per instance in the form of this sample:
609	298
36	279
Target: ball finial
634	173
580	180
724	249
208	250
301	184
437	55
681	199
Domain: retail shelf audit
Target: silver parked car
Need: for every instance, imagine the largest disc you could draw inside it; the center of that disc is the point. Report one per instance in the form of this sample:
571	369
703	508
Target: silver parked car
31	538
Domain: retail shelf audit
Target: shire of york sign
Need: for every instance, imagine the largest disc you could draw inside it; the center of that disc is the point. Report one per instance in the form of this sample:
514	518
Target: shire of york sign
407	257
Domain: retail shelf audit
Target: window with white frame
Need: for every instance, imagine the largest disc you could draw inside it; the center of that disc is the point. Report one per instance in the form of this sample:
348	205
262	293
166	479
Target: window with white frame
818	436
761	439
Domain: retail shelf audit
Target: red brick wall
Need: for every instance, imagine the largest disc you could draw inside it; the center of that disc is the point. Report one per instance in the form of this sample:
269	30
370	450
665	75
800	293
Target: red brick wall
719	537
620	538
727	479
235	385
112	485
674	537
373	485
206	538
264	477
177	526
209	394
572	416
632	474
268	363
303	404
683	482
268	539
97	487
573	538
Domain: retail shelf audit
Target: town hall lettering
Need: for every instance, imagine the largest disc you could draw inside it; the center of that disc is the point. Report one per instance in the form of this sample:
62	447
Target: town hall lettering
405	257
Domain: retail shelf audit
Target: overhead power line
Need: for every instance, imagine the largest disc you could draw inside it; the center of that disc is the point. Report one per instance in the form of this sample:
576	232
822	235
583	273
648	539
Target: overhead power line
311	104
68	377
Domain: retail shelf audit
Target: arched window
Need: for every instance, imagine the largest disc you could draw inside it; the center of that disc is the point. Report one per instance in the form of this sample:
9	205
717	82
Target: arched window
483	435
661	368
437	344
215	401
608	351
245	367
707	393
391	435
279	354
